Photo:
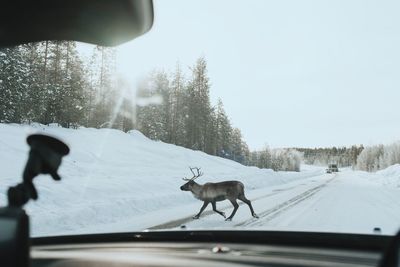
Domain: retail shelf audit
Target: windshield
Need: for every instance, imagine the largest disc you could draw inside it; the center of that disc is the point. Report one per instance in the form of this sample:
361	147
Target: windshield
261	115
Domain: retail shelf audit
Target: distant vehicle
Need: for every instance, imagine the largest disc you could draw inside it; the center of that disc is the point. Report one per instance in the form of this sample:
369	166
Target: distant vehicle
332	168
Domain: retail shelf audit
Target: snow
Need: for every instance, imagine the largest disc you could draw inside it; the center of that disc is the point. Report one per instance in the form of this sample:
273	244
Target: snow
117	182
389	176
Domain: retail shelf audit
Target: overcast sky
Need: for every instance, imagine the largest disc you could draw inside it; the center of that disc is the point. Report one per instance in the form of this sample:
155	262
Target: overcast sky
290	73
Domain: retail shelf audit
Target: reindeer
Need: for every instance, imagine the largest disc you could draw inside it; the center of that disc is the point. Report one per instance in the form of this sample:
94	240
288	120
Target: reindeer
214	192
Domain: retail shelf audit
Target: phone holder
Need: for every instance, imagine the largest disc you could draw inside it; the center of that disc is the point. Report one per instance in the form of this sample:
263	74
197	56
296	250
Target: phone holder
45	157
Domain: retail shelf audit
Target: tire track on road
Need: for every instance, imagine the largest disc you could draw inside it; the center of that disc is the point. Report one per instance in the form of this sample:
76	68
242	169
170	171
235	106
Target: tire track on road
271	213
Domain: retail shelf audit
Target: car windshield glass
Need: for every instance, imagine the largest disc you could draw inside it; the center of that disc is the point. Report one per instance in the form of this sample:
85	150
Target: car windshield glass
245	115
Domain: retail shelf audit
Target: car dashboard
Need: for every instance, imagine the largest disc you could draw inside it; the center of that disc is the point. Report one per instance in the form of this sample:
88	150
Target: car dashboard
190	253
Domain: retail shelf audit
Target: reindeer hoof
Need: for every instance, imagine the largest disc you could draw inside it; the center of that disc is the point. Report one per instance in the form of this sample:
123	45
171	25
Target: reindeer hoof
255	216
228	219
196	217
223	214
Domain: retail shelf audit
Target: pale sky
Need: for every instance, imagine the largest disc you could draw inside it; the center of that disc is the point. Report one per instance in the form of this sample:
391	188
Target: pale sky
290	73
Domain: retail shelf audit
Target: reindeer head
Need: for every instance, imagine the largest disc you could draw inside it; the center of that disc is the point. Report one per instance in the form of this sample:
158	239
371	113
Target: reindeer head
190	181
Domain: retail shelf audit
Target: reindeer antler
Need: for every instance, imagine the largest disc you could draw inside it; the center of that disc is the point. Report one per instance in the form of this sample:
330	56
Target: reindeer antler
195	176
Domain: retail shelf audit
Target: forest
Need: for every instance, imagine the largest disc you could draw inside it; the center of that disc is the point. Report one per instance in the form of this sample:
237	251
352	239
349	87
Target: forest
50	82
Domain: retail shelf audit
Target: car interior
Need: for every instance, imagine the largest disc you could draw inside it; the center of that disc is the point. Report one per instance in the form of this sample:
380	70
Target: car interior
111	23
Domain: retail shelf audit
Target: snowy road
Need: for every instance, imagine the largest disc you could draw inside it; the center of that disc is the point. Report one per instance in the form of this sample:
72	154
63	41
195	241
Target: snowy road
344	202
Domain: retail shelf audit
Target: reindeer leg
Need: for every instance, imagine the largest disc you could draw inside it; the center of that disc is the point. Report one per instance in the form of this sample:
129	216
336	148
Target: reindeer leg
248	202
214	205
205	204
235	207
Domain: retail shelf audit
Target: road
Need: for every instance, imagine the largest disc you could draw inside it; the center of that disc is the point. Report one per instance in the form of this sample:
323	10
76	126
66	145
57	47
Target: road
340	202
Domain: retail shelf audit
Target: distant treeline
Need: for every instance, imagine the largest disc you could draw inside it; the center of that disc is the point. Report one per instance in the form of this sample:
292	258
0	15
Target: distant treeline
343	156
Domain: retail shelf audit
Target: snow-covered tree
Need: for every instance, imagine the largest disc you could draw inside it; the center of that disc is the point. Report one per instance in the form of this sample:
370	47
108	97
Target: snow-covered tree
378	157
178	109
14	80
198	120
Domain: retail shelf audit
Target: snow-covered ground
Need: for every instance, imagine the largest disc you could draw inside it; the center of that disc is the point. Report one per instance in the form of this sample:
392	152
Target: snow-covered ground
115	182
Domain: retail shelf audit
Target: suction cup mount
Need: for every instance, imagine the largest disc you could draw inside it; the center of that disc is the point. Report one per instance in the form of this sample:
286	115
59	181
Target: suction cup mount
45	157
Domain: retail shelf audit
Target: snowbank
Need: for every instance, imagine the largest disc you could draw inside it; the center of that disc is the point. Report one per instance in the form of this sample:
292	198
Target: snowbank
112	176
389	176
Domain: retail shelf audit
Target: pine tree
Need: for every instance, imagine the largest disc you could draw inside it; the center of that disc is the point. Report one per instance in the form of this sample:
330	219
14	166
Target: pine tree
178	108
223	131
163	109
34	107
198	118
104	88
14	76
74	88
153	117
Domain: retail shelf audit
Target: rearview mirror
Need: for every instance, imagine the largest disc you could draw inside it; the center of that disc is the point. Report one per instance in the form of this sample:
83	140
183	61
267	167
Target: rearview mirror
101	22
